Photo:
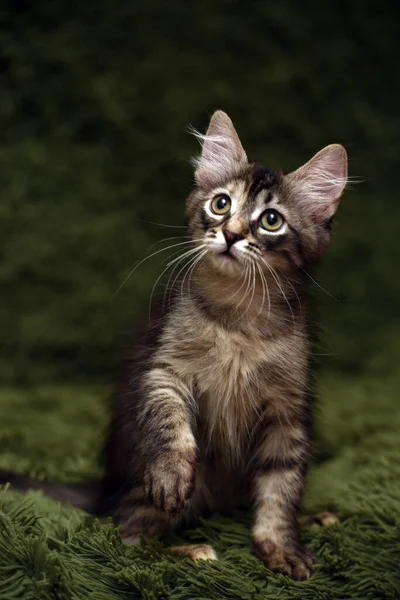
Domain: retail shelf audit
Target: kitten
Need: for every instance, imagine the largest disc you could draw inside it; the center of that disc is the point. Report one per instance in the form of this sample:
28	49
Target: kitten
213	409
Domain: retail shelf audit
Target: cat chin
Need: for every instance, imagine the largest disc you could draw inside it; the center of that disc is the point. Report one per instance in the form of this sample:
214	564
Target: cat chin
229	265
226	263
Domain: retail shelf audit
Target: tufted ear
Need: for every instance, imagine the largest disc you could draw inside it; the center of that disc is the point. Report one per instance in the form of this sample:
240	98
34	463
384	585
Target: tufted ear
222	153
319	184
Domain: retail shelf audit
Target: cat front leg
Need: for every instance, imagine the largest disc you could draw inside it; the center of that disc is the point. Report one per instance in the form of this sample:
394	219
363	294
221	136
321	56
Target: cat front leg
166	419
278	485
168	444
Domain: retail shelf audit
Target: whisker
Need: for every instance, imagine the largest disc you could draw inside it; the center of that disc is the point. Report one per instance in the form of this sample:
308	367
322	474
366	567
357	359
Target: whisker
170	287
294	290
247	273
148	258
185	266
253	287
174	237
263	282
255	255
320	286
179	251
163	224
192	268
278	283
241	285
284	295
182	257
269	297
248	281
188	265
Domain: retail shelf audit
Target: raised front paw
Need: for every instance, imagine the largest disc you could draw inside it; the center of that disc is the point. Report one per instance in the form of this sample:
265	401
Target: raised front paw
169	480
293	560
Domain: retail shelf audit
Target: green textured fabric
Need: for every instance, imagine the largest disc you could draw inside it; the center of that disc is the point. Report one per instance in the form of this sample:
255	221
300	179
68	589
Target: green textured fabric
51	552
95	101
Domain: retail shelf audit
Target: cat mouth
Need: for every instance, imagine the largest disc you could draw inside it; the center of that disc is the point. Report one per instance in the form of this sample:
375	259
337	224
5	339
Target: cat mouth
226	259
227	255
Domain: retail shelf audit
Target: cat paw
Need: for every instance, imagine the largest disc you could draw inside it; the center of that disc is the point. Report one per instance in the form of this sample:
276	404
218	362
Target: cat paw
295	561
169	480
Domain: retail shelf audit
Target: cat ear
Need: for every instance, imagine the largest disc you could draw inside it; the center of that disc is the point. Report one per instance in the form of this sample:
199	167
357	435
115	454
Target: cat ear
320	183
222	153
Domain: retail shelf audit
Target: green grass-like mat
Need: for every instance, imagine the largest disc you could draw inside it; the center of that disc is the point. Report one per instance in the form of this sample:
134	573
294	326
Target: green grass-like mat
49	551
95	101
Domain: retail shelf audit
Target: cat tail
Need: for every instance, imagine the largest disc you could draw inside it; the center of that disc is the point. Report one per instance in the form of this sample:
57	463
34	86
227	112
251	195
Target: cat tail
80	495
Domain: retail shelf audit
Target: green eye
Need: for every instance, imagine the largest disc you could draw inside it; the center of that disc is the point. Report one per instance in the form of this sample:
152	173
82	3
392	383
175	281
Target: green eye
271	220
221	204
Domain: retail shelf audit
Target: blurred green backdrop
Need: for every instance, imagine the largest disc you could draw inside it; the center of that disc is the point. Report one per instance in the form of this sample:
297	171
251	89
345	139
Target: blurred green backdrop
95	101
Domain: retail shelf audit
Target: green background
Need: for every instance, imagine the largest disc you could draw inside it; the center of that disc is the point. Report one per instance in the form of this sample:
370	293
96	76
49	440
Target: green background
95	102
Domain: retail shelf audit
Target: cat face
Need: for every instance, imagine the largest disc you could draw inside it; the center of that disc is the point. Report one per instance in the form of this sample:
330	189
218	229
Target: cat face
244	214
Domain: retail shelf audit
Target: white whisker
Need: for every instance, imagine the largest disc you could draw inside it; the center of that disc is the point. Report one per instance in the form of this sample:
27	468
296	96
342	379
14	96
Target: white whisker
163	224
191	270
192	262
253	286
148	258
294	290
317	284
241	285
178	252
278	283
265	289
248	277
169	287
249	281
182	257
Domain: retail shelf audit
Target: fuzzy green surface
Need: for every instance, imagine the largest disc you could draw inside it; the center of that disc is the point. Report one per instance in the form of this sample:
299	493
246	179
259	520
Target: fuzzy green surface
47	551
95	100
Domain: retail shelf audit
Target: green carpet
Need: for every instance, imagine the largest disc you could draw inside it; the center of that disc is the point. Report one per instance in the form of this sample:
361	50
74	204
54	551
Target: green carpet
96	98
51	552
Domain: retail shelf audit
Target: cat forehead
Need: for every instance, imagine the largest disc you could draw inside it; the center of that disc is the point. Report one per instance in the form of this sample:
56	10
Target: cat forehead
255	188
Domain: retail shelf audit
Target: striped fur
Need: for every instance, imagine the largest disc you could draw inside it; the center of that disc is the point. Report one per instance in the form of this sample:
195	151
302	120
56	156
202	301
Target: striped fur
213	407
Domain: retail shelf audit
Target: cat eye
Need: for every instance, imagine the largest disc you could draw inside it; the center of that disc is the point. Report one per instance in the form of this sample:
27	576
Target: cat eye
271	220
221	204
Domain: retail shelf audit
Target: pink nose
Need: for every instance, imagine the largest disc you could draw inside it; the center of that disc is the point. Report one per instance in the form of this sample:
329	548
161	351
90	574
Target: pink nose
231	237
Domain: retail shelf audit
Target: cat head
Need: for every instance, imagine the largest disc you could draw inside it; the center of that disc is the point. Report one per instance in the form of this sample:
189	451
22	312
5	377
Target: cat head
243	212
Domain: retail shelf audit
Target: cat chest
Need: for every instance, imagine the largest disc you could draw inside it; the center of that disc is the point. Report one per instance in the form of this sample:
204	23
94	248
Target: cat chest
228	374
227	380
228	370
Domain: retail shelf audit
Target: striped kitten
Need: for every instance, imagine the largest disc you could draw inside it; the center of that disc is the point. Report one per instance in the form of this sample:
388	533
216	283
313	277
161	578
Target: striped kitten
214	407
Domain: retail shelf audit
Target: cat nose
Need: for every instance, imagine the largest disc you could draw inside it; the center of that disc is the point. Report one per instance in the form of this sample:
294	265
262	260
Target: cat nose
231	237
